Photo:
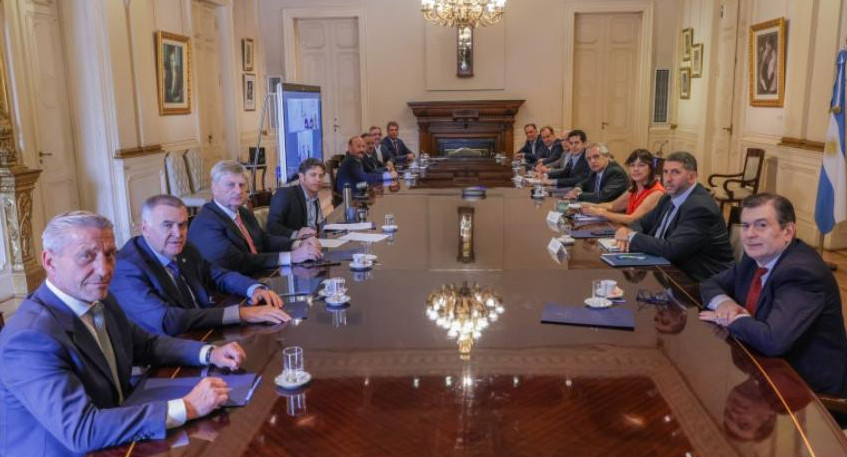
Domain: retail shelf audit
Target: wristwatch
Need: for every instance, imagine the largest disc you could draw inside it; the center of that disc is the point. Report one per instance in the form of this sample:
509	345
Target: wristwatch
209	354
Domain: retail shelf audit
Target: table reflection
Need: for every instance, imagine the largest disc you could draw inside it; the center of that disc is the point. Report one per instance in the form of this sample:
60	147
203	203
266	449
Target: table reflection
464	312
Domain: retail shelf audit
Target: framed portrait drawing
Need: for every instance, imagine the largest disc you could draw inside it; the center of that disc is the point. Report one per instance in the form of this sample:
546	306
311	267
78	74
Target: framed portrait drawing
687	40
685	83
697	60
173	70
250	92
247	54
767	63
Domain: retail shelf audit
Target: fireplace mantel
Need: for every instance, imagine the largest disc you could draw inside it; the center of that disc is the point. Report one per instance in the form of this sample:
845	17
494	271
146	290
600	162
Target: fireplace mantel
466	120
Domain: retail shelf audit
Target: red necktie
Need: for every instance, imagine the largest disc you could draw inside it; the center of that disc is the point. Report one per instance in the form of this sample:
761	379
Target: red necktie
245	233
755	291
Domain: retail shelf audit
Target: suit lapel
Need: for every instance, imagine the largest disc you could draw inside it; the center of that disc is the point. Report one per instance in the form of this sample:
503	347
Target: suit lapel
233	233
163	278
301	200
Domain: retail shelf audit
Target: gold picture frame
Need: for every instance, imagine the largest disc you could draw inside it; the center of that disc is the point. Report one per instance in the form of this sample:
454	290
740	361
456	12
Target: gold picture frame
697	60
173	70
247	54
767	63
249	91
684	83
687	40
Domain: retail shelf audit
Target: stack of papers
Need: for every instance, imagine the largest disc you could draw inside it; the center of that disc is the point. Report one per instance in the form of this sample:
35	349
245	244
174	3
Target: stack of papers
332	243
609	244
364	237
350	227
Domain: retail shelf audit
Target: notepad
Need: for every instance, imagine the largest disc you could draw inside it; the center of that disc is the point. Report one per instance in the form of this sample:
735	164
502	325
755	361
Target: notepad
352	226
609	244
364	237
634	259
611	318
151	390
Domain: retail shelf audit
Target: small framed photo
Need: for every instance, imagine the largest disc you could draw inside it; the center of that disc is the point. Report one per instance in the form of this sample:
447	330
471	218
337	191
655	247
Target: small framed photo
685	83
697	60
250	92
687	38
173	65
247	54
767	63
272	112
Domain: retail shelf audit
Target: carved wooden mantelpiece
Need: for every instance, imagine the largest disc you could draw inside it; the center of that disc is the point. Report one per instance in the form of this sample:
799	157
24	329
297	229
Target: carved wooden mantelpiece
478	120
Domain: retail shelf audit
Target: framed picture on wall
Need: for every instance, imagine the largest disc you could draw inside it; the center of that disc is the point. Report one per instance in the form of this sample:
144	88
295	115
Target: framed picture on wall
687	40
250	92
247	54
696	60
767	63
173	70
272	115
685	83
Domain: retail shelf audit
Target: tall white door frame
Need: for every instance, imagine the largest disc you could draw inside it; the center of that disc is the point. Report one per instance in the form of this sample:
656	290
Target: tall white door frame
645	59
289	19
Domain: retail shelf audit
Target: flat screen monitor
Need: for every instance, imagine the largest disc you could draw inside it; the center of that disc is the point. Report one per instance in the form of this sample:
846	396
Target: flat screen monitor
300	134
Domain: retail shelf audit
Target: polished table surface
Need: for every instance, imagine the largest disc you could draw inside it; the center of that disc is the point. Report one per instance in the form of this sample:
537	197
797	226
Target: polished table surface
388	381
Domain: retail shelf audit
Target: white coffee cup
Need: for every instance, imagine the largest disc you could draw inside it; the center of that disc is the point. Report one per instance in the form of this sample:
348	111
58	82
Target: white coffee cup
335	286
359	258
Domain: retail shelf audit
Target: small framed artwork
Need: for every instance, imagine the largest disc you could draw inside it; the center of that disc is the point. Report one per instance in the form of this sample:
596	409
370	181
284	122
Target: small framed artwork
272	114
247	54
685	83
249	92
697	60
687	37
173	65
767	63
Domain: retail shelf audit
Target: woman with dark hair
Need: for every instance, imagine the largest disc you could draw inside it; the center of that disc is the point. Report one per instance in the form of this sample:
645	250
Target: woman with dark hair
644	192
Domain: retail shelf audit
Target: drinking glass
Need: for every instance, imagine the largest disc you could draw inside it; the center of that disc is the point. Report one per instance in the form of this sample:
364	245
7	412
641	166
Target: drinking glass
598	289
292	363
389	219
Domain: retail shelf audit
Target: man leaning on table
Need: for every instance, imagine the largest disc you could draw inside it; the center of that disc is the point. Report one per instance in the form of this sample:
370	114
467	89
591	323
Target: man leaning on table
228	234
352	170
164	285
781	299
68	351
686	226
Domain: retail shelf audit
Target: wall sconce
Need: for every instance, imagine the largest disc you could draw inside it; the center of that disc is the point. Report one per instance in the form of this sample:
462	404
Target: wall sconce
464	51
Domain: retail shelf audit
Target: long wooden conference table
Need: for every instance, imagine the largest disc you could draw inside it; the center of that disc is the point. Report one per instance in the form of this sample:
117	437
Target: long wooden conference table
388	381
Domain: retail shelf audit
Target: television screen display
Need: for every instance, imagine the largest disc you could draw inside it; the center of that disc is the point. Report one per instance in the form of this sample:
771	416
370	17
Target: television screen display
300	134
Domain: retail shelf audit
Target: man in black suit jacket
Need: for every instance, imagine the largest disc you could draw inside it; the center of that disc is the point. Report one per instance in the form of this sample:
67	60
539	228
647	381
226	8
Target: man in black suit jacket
533	141
228	234
781	299
550	150
393	148
163	283
371	160
575	167
352	170
295	210
606	182
686	226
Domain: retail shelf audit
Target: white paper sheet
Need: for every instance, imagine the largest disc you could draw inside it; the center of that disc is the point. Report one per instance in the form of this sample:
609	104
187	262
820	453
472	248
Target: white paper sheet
332	242
354	226
364	237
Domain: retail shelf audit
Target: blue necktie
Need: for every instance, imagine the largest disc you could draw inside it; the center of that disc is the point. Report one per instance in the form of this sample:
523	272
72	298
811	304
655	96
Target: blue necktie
182	284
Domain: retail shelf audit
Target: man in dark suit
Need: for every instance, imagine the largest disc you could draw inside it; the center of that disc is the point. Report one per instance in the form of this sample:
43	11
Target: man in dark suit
352	171
685	227
781	299
533	142
228	234
607	180
376	133
550	149
371	161
67	353
295	211
163	283
575	167
393	148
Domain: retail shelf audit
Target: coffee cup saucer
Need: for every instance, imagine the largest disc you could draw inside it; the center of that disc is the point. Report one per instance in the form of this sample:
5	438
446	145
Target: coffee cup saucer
598	302
302	379
366	265
337	300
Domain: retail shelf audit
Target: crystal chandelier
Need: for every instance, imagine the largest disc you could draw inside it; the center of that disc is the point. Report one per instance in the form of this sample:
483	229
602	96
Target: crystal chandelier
464	312
470	13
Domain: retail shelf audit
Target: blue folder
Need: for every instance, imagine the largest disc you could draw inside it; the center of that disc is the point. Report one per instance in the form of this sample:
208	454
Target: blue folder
612	318
634	259
151	390
339	255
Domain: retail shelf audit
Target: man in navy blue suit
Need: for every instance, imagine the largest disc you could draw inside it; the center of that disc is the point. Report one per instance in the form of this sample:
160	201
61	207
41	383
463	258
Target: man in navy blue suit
163	283
352	170
533	142
573	167
550	150
393	148
781	299
607	180
229	235
67	353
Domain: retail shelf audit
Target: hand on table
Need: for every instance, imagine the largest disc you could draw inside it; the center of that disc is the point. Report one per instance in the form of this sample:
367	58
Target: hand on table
622	238
263	314
266	295
205	397
305	233
229	356
726	312
306	252
593	210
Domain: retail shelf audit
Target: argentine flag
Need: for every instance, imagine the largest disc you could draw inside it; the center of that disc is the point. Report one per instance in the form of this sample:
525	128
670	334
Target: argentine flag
831	206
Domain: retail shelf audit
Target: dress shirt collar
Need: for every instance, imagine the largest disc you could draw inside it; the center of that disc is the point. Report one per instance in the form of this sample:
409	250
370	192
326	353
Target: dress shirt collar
306	194
680	199
162	259
79	307
226	210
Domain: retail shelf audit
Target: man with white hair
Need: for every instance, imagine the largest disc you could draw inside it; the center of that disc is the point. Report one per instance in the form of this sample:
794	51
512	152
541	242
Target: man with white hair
228	234
164	284
68	351
606	181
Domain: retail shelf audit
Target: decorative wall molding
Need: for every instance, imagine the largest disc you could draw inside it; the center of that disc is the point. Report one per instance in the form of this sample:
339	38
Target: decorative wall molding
801	143
130	153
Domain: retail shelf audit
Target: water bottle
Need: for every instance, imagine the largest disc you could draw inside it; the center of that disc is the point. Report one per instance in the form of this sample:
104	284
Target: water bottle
349	210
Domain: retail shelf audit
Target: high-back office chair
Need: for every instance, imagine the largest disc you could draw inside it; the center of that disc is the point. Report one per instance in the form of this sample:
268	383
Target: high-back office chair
178	182
658	165
332	169
733	227
197	176
259	202
737	186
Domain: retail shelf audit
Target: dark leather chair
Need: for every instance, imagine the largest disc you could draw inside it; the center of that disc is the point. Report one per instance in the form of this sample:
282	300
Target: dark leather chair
658	165
332	169
733	227
737	186
2	322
